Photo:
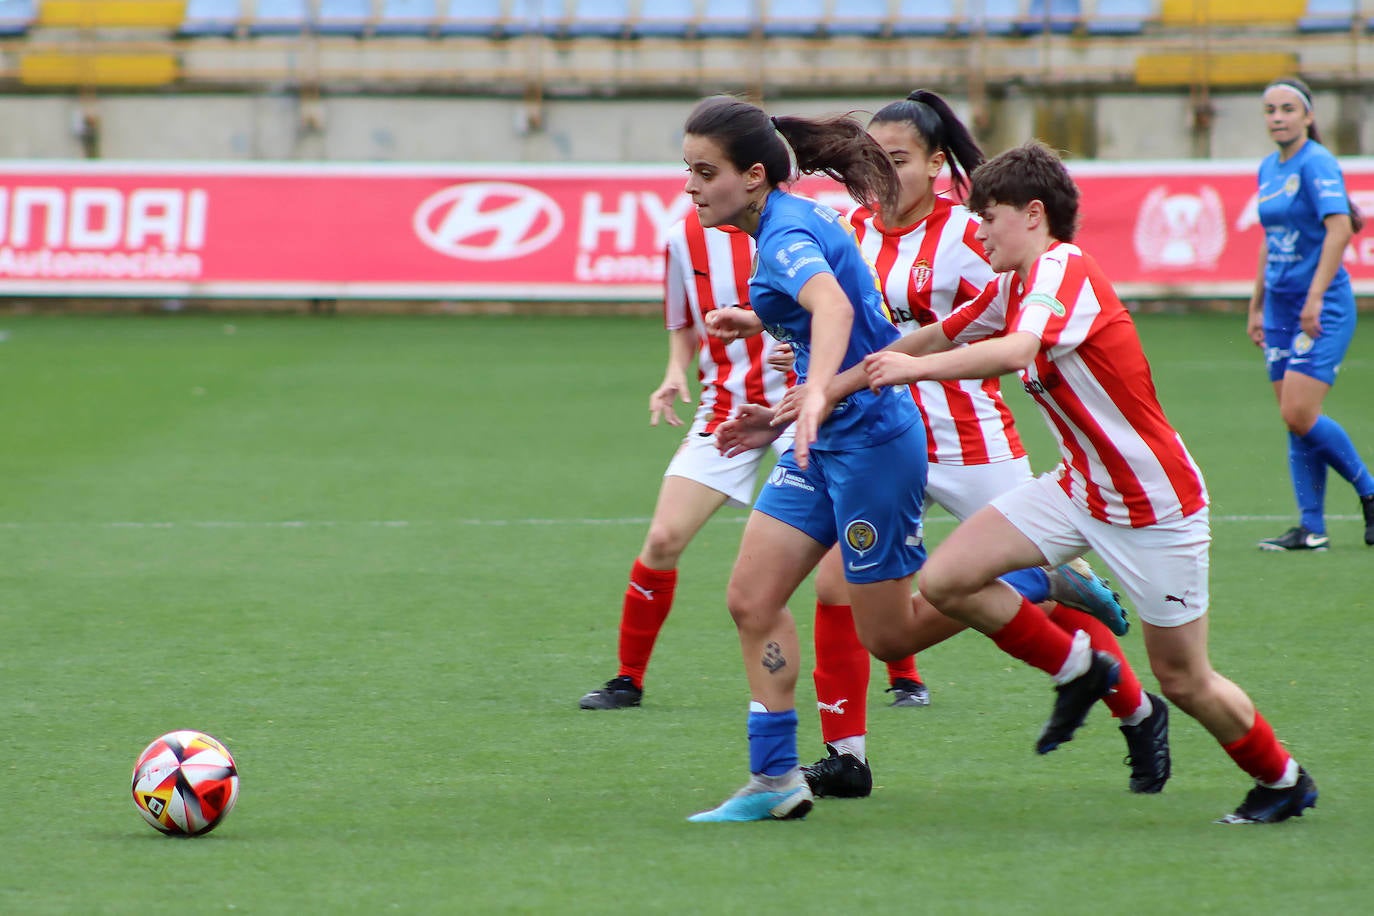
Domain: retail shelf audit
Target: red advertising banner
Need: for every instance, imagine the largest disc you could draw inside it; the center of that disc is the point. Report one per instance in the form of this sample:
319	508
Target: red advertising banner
525	232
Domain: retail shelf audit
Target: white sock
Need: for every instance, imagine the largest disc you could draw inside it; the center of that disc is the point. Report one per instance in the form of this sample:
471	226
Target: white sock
1290	777
1079	660
1142	711
855	745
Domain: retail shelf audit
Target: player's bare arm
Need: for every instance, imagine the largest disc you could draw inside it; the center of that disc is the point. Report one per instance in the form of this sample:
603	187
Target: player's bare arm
682	345
832	318
984	359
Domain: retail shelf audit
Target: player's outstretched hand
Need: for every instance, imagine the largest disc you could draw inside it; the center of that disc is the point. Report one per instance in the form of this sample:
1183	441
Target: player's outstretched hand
661	401
751	428
732	323
782	358
889	368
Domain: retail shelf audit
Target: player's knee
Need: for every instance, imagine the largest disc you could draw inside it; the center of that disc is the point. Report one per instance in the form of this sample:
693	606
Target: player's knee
1300	418
942	583
663	546
750	613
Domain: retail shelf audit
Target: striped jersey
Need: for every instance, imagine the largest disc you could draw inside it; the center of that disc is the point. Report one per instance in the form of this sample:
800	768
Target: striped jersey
927	270
1121	460
709	269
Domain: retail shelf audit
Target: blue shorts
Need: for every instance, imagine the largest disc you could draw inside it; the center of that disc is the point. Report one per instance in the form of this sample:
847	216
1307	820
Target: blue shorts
1289	349
868	499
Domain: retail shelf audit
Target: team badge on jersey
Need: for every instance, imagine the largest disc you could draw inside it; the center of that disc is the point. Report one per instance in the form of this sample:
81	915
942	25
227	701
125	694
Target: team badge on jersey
920	274
861	536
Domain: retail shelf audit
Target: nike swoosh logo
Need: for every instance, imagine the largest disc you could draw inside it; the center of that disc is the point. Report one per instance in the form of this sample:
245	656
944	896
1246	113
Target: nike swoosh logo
853	568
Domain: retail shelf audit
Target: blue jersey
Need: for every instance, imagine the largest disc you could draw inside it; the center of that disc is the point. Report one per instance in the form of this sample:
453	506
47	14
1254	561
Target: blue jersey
798	239
1294	197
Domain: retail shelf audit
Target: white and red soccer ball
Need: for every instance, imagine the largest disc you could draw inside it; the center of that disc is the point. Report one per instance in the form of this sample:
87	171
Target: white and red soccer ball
185	783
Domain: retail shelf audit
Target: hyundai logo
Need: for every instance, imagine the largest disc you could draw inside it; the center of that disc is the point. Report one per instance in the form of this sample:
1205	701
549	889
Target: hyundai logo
487	220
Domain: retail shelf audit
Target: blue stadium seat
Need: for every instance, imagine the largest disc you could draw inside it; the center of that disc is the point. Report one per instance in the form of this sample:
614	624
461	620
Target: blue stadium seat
791	18
600	18
279	17
995	17
924	17
208	17
537	17
344	17
473	17
1329	15
1058	16
407	17
859	17
729	18
667	17
1120	17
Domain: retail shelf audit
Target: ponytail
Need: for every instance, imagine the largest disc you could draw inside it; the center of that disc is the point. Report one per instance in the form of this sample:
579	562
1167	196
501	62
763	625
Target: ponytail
940	129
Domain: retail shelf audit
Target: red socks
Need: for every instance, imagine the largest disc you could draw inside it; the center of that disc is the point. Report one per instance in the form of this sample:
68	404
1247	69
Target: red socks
1259	753
906	669
1125	699
648	599
841	675
1031	637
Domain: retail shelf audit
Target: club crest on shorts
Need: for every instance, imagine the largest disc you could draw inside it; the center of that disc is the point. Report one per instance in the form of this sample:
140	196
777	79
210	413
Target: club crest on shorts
861	536
1302	344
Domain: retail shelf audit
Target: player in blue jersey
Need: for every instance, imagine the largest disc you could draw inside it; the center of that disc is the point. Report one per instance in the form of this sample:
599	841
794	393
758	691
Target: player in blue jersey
1302	312
855	475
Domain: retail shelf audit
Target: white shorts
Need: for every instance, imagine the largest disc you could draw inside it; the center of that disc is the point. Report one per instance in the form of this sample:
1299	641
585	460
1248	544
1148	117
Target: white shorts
1162	568
963	489
698	459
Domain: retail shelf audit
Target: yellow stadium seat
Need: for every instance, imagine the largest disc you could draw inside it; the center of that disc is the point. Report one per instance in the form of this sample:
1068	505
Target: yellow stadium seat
128	70
1226	69
1231	12
127	14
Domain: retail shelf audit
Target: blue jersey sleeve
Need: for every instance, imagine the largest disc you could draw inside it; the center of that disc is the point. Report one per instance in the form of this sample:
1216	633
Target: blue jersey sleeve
791	257
1324	186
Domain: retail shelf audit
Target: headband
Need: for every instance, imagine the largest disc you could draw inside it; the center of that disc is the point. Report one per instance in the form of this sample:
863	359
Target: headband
1302	93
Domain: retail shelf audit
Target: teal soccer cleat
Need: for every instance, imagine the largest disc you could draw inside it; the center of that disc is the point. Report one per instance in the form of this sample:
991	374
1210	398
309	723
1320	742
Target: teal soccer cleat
763	799
1077	585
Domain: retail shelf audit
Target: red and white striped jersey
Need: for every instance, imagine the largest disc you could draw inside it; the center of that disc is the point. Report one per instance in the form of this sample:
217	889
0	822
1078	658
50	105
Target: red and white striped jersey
927	270
709	269
1122	461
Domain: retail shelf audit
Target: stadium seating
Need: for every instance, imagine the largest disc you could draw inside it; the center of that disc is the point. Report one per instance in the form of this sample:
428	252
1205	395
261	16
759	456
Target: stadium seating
993	17
729	18
667	17
924	17
472	17
801	18
1120	17
279	17
1058	16
859	17
16	16
407	17
344	17
599	18
1329	15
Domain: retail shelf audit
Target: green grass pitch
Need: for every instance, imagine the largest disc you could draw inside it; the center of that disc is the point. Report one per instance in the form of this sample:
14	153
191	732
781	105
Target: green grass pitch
381	558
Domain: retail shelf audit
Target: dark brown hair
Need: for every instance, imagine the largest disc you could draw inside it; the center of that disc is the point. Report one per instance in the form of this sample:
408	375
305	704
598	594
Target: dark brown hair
939	129
836	146
1025	173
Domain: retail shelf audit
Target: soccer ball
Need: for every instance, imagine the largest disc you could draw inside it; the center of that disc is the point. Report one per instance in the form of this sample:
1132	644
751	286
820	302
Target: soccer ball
185	783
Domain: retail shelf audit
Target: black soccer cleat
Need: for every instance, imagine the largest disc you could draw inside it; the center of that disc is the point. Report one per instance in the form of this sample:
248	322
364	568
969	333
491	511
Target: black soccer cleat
620	692
1367	505
1073	700
1264	805
839	776
1298	538
1147	746
908	692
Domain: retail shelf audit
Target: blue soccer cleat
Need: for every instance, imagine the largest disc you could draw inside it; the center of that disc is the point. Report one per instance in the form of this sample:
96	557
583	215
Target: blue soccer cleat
1264	805
1077	585
763	800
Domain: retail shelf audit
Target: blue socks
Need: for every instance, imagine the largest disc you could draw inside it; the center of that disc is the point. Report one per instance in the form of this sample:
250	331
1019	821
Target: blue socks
772	741
1033	583
1326	445
1308	472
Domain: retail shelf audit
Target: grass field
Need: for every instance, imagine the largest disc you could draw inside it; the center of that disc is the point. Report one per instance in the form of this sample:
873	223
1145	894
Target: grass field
381	558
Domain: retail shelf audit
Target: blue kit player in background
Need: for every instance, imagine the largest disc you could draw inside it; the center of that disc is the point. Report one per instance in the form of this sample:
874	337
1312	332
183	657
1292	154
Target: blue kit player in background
1302	312
857	475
